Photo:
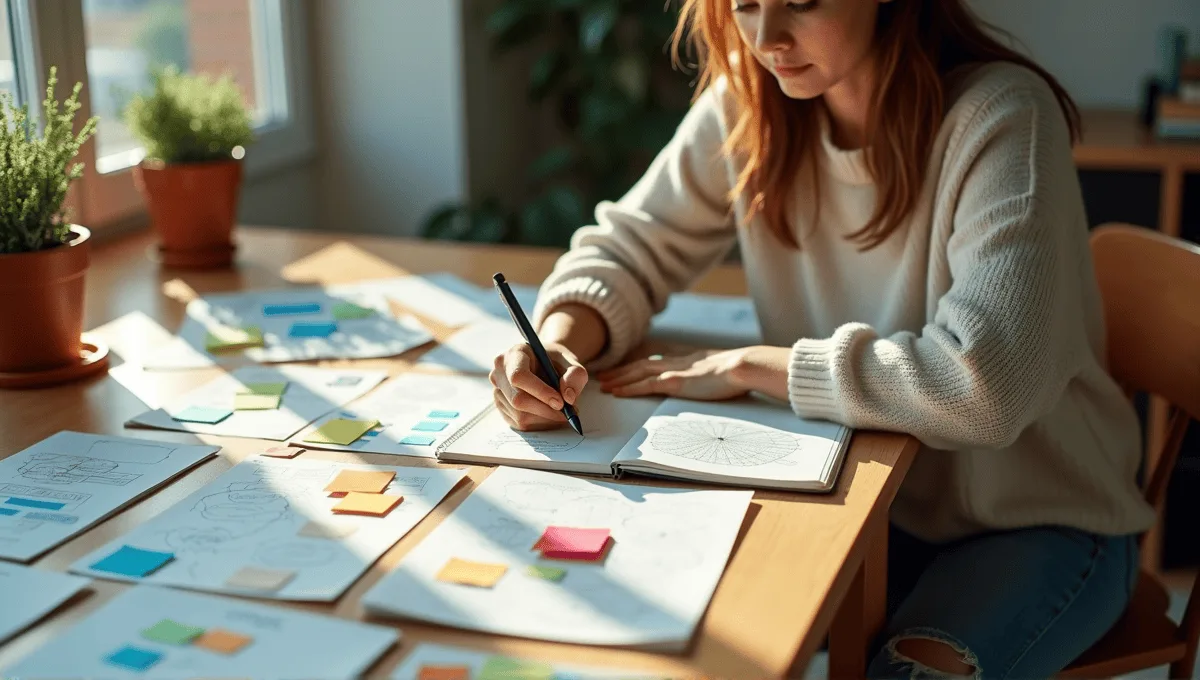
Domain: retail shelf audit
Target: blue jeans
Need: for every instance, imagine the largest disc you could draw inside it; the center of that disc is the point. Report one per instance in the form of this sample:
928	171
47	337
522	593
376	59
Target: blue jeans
1014	604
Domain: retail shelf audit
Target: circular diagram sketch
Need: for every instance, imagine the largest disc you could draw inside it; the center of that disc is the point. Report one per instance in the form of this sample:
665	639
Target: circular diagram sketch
723	442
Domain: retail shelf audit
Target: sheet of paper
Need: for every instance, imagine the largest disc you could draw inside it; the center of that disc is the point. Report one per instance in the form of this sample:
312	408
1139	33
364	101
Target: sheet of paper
669	550
29	594
442	297
285	643
311	393
363	337
67	482
489	300
608	423
708	321
749	438
402	403
252	516
448	656
474	348
142	342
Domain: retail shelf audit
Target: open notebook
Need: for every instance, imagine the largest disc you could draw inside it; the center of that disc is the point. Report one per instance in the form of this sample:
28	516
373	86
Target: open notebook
749	442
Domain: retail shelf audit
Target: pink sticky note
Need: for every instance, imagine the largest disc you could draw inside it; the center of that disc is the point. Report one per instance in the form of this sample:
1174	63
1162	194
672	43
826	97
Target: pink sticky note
571	541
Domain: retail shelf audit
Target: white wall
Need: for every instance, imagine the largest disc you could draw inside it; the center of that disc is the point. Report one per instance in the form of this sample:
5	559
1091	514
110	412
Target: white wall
1101	50
390	110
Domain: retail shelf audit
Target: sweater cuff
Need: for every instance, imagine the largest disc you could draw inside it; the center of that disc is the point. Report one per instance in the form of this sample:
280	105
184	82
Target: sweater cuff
811	389
626	321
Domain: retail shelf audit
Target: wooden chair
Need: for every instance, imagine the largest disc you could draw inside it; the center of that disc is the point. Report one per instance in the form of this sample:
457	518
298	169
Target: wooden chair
1151	289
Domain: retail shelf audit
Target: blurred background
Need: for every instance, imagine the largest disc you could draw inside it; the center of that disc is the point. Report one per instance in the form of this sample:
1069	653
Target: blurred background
507	120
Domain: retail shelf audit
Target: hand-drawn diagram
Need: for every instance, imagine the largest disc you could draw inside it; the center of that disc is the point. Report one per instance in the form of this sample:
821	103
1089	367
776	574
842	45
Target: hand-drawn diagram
723	442
255	514
541	442
55	468
69	500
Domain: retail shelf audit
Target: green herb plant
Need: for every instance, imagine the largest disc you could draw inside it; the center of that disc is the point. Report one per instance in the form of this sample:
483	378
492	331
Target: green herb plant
603	68
188	118
36	170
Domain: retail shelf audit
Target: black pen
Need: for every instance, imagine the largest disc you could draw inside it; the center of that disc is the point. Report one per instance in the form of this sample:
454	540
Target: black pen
519	318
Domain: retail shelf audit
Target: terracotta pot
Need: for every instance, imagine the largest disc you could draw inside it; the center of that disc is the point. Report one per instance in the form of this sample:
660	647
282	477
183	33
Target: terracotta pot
41	306
192	208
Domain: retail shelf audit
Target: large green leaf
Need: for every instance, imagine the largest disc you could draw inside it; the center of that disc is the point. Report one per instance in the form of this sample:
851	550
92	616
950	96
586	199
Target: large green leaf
602	110
597	22
552	162
515	22
545	74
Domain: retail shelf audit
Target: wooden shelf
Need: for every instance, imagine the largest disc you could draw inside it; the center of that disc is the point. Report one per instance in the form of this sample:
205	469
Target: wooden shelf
1115	140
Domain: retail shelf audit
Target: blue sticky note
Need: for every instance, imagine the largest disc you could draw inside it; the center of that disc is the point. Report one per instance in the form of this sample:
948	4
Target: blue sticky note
52	517
418	440
282	309
443	414
429	426
9	511
133	658
40	505
202	414
134	562
312	329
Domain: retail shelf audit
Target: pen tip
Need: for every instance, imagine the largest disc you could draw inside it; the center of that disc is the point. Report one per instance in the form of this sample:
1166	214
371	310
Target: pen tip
498	277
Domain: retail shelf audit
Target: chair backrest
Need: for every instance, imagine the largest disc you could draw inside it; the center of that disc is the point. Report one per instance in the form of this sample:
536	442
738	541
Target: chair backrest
1150	283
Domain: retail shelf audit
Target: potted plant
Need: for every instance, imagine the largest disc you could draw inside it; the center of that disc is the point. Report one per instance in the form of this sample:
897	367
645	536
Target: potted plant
195	129
43	257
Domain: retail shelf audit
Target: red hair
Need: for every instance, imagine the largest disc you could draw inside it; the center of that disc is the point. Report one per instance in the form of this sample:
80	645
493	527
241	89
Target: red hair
917	43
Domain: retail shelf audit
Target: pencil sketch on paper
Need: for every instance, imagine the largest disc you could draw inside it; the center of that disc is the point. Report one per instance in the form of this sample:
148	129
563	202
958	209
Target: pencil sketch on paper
57	468
534	440
723	442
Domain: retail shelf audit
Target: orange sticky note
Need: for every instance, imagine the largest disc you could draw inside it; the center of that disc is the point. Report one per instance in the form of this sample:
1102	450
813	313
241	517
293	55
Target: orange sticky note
468	573
374	504
222	641
444	673
363	481
283	452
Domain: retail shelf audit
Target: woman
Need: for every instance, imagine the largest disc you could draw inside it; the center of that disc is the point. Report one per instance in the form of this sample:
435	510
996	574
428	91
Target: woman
902	190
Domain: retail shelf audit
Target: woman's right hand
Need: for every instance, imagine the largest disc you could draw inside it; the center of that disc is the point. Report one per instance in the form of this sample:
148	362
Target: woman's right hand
523	397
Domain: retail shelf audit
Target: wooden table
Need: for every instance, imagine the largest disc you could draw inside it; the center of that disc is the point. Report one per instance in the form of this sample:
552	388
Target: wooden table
797	558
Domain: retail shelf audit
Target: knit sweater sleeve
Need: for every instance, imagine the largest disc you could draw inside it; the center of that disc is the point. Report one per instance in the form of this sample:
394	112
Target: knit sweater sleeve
668	230
1009	333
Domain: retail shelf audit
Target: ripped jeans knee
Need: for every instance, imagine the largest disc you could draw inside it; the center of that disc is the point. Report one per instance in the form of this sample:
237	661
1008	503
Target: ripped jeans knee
899	658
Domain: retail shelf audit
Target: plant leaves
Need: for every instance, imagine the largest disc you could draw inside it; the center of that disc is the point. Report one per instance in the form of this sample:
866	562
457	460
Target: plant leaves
601	110
597	22
546	72
552	162
515	22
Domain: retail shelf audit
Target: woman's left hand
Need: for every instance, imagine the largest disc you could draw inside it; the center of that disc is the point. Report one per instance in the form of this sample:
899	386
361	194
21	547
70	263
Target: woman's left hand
703	376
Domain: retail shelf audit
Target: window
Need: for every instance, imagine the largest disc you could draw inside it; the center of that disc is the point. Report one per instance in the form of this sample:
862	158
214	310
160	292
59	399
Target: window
8	64
113	46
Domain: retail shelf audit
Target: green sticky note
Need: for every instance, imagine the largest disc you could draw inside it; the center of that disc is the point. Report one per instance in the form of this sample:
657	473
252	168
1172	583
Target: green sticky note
275	388
506	668
349	310
341	431
256	402
548	573
172	632
225	339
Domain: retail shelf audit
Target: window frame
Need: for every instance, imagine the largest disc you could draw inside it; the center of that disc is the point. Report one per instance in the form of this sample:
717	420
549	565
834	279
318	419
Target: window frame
110	201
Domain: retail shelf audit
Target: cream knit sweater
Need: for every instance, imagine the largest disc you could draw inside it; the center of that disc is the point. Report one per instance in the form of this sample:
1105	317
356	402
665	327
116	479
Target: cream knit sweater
977	327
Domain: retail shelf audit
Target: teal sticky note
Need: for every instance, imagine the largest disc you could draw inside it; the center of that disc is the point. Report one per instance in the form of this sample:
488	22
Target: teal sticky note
135	562
429	426
443	414
312	329
418	440
202	414
133	658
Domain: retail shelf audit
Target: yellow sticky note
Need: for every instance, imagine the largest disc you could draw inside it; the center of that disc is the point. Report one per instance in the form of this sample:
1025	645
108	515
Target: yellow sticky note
256	402
341	431
374	504
275	388
468	573
227	339
364	481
